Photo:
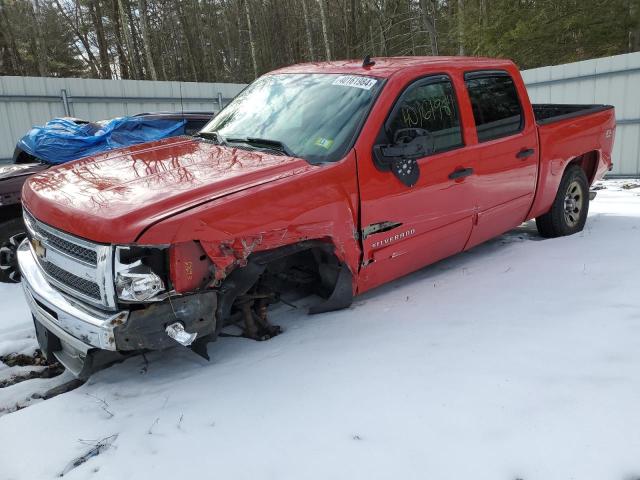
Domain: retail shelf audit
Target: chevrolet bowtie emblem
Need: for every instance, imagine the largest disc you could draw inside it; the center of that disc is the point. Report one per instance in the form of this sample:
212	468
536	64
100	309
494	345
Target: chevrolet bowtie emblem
38	248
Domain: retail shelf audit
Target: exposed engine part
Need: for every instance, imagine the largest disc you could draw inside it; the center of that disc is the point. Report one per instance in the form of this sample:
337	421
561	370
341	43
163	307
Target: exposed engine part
252	312
310	269
235	285
299	270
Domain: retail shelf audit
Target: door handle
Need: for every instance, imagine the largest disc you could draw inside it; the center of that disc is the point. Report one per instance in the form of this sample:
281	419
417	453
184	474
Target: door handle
524	153
463	172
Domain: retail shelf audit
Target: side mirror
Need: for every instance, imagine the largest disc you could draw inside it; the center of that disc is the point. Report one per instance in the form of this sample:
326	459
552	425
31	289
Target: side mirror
401	156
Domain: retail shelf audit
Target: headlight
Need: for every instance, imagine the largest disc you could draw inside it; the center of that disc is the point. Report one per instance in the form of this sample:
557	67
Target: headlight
138	273
138	283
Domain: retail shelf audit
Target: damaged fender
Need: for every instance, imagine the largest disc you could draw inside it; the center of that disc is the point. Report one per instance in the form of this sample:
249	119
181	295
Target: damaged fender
267	217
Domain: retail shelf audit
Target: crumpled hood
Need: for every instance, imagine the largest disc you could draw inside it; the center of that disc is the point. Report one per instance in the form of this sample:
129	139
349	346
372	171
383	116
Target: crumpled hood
113	197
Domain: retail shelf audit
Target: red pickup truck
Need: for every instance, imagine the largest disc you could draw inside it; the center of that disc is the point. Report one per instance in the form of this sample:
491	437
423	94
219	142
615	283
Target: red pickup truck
327	179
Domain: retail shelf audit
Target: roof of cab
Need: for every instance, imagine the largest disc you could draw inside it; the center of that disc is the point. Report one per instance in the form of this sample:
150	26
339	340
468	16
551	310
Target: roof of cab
387	66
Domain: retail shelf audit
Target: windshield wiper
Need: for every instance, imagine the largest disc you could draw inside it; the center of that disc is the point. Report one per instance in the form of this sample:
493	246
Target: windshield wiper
215	136
276	145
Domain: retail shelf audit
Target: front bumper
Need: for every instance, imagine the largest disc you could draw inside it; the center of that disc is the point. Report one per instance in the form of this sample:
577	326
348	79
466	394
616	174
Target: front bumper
78	328
84	338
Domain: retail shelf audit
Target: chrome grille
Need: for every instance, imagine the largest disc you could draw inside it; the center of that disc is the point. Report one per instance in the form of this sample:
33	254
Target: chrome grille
73	249
73	265
85	286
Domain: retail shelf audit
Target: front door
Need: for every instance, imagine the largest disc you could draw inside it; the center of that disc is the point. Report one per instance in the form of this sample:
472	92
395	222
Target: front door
407	227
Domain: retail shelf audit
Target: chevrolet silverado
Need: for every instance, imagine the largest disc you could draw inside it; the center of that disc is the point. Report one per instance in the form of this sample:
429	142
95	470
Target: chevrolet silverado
321	180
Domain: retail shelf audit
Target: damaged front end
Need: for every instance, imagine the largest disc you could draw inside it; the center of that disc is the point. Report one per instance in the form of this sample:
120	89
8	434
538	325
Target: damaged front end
94	304
167	304
86	336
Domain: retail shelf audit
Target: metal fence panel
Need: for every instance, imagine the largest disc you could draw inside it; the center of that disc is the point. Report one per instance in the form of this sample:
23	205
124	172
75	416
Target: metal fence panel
611	80
28	101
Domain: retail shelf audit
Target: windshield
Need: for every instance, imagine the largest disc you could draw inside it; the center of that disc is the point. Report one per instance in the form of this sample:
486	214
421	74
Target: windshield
311	116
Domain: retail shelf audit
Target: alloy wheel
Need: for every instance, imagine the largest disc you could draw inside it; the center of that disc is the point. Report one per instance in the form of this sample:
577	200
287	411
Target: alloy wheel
573	204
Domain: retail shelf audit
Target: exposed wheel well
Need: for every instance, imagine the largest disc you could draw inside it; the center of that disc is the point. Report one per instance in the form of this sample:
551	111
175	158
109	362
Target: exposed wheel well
293	271
589	164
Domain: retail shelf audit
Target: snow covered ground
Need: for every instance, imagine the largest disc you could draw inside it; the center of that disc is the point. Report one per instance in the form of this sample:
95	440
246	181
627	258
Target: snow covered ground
518	359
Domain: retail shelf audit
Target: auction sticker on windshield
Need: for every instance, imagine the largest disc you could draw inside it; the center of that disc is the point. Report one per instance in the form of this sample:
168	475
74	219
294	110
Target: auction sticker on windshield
357	81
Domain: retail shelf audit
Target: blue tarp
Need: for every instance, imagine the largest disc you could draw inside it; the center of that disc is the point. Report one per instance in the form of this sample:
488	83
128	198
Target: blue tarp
62	140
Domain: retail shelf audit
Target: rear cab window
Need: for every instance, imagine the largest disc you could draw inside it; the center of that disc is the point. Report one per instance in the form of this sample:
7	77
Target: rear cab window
430	104
496	107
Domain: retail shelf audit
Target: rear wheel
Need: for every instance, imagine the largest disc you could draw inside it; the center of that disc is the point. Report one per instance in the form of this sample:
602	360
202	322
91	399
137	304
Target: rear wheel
569	211
11	234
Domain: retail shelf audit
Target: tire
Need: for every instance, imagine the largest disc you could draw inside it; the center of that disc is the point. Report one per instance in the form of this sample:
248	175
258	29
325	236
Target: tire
11	233
570	208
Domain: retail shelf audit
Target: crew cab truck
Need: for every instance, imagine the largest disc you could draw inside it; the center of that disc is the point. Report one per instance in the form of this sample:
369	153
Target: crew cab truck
324	178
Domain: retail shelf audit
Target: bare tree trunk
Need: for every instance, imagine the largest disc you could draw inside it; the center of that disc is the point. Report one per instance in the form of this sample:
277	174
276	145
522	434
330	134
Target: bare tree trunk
353	31
6	30
483	12
229	49
174	37
146	41
96	18
372	40
325	35
127	38
208	62
411	35
383	39
634	31
163	68
251	42
135	38
460	27
429	25
186	29
307	26
93	63
39	41
122	56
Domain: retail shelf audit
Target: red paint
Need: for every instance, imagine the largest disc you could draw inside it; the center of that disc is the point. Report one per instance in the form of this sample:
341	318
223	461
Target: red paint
189	266
561	142
113	197
234	202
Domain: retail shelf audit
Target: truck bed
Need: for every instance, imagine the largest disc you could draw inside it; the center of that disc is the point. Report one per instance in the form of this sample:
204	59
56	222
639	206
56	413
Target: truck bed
554	112
565	133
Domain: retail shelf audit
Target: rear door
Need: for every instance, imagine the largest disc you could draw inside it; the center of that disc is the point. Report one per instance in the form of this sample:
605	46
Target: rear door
507	152
405	228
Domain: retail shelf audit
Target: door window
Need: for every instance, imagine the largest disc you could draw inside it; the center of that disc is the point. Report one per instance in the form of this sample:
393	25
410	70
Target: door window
496	108
430	105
